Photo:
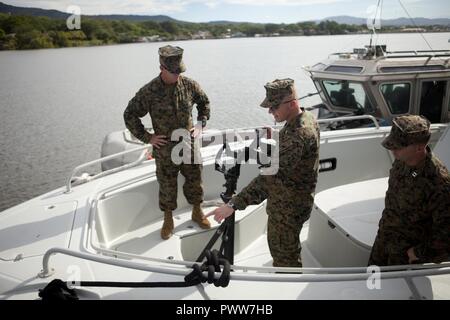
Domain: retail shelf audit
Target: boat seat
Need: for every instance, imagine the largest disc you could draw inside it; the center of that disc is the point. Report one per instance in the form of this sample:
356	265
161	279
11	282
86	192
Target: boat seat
344	223
398	100
344	98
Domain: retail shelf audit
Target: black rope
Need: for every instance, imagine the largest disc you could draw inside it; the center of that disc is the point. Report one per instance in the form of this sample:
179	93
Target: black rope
58	290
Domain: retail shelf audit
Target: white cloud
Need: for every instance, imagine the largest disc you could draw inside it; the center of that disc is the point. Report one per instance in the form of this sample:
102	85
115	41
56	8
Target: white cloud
168	7
151	6
109	6
281	2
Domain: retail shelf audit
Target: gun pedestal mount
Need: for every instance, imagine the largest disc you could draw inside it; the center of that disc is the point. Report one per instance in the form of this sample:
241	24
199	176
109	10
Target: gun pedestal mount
231	171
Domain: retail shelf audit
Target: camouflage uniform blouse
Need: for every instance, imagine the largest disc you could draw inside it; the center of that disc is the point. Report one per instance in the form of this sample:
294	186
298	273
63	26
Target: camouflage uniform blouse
417	208
297	174
169	106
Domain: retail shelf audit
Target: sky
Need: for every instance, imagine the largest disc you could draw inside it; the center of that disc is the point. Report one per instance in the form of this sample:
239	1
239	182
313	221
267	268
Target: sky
263	11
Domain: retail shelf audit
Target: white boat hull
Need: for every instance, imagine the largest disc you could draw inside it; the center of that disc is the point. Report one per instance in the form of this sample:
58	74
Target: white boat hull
108	230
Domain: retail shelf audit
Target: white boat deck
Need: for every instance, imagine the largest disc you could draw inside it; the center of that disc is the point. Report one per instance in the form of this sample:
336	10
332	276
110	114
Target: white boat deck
188	239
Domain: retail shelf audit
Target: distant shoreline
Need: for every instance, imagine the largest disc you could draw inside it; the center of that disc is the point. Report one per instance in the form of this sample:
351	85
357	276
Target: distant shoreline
176	40
35	32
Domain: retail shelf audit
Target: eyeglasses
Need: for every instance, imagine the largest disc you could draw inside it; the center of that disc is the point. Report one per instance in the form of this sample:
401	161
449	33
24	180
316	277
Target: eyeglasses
272	109
174	73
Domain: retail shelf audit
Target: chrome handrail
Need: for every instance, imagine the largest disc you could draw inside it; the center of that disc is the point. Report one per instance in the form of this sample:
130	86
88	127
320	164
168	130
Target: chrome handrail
374	120
112	156
264	274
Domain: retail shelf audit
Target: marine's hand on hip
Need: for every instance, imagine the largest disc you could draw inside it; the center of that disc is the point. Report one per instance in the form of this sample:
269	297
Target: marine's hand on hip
197	130
411	255
158	141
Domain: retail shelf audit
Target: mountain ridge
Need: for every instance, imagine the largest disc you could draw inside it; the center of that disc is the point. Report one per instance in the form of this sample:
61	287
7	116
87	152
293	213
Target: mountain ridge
419	21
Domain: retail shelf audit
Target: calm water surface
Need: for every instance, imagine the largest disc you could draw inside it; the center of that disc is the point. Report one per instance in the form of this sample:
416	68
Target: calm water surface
57	105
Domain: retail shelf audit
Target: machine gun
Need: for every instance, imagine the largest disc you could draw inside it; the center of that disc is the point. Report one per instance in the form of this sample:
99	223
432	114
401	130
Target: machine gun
232	171
229	163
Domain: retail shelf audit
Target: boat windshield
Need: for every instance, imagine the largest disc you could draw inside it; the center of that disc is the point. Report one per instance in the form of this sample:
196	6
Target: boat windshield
346	94
397	96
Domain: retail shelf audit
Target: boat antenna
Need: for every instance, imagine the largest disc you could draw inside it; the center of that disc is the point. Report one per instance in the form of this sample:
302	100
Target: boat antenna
374	19
415	25
381	14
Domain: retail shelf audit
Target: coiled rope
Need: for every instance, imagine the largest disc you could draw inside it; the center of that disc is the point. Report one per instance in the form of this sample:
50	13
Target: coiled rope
215	262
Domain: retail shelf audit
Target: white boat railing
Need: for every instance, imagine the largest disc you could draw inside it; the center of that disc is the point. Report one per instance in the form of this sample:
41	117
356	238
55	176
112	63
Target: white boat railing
147	146
141	158
374	120
264	273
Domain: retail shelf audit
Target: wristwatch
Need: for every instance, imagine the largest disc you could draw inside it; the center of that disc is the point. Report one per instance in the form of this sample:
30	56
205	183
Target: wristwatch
231	205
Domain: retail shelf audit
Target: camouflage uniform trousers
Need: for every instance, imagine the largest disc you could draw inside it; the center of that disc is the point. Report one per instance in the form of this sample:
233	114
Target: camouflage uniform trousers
167	175
283	233
389	249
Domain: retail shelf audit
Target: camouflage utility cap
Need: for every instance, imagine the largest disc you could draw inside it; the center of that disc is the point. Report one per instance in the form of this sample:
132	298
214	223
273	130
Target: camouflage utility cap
171	58
407	130
277	92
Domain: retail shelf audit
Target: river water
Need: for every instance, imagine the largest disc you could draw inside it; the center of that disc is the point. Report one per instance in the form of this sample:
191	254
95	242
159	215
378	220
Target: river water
57	105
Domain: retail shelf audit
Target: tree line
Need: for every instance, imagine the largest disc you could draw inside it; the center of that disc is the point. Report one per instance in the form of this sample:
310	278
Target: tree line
30	32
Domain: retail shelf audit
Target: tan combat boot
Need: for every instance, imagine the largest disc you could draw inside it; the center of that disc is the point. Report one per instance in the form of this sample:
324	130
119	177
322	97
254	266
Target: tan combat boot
167	228
199	217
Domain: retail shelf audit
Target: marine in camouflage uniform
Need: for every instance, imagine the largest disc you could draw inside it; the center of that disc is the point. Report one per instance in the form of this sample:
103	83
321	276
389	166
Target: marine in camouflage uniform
417	203
170	108
289	192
